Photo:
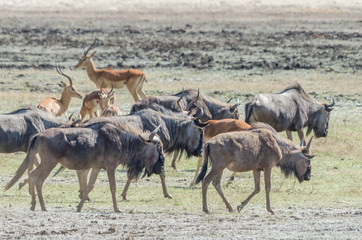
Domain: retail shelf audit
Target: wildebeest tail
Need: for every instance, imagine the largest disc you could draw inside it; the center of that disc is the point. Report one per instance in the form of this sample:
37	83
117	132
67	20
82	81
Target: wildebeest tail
204	166
248	110
29	160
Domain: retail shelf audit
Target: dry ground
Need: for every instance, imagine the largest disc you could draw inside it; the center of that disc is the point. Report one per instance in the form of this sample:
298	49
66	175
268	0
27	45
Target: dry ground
225	49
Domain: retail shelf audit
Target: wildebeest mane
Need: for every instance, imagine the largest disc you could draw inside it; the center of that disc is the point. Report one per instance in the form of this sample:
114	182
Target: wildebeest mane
300	90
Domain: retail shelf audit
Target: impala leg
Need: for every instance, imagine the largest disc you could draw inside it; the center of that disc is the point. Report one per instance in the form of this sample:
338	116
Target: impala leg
289	135
197	170
125	189
164	189
267	180
92	180
112	185
256	174
140	87
132	89
231	179
217	185
32	179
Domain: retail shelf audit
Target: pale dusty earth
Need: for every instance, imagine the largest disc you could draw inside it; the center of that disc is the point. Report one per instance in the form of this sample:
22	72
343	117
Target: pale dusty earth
221	28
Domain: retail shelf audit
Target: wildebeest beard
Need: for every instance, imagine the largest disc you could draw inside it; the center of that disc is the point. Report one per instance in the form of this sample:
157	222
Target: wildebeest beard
158	167
317	133
200	147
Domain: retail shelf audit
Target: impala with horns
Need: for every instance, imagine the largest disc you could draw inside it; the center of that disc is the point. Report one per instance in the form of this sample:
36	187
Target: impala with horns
99	98
58	107
176	133
290	110
132	78
258	149
111	110
102	146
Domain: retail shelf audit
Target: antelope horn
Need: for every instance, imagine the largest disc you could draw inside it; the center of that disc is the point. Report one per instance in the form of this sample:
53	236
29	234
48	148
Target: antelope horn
193	101
235	105
95	44
330	105
110	91
308	145
101	87
302	141
153	133
228	101
59	70
178	101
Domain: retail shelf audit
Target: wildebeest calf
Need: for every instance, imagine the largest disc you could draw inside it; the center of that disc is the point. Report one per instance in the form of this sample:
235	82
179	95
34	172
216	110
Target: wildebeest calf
84	148
254	150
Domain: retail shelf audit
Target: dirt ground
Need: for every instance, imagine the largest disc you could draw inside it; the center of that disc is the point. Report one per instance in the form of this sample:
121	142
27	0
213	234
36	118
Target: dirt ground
244	43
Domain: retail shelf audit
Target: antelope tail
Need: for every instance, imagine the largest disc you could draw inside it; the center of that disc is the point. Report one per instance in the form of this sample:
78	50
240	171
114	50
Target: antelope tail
29	160
204	166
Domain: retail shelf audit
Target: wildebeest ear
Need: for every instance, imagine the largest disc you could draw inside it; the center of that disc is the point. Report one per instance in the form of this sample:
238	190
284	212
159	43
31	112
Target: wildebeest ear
199	123
142	138
309	156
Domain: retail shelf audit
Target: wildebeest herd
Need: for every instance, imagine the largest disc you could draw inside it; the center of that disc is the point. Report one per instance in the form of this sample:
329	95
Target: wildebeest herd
188	121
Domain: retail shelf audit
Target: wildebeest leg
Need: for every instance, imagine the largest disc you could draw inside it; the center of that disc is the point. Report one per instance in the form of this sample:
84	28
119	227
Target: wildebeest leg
256	174
197	170
205	184
112	185
216	183
125	189
289	135
41	173
173	164
301	136
32	179
231	179
92	180
164	189
26	181
82	179
267	181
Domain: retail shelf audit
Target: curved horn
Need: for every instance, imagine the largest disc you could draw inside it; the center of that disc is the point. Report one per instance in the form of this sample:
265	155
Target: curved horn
94	44
178	101
232	108
330	105
59	70
153	133
228	101
198	110
110	91
308	145
200	124
193	101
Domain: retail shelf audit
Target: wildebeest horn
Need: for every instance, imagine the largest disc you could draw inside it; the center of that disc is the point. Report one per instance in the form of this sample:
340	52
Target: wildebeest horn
198	110
193	101
308	145
199	123
327	106
228	101
178	101
153	133
302	141
233	107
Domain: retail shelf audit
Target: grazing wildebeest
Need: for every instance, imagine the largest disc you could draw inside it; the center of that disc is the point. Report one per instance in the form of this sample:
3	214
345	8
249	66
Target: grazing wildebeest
176	134
216	127
96	147
290	110
17	128
253	150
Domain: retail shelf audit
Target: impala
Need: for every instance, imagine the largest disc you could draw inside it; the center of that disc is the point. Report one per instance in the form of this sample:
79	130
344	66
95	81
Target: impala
58	107
132	78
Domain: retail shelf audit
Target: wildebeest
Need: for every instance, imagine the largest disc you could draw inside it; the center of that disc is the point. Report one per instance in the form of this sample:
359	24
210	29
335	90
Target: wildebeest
17	128
290	110
212	108
105	146
253	150
176	134
216	127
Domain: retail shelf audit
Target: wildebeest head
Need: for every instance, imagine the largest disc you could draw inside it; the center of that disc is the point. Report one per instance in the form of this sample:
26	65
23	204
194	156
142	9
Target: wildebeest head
226	111
299	163
320	121
153	154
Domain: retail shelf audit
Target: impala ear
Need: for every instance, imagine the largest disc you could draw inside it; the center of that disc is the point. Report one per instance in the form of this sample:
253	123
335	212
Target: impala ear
94	53
62	84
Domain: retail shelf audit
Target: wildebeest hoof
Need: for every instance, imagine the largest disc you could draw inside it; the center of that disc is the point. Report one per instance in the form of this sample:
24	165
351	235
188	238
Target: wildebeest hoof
117	210
230	209
32	208
271	211
206	211
168	196
239	207
124	198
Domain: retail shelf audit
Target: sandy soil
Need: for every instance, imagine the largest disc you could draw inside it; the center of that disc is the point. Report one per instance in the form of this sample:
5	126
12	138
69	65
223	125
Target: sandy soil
250	36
